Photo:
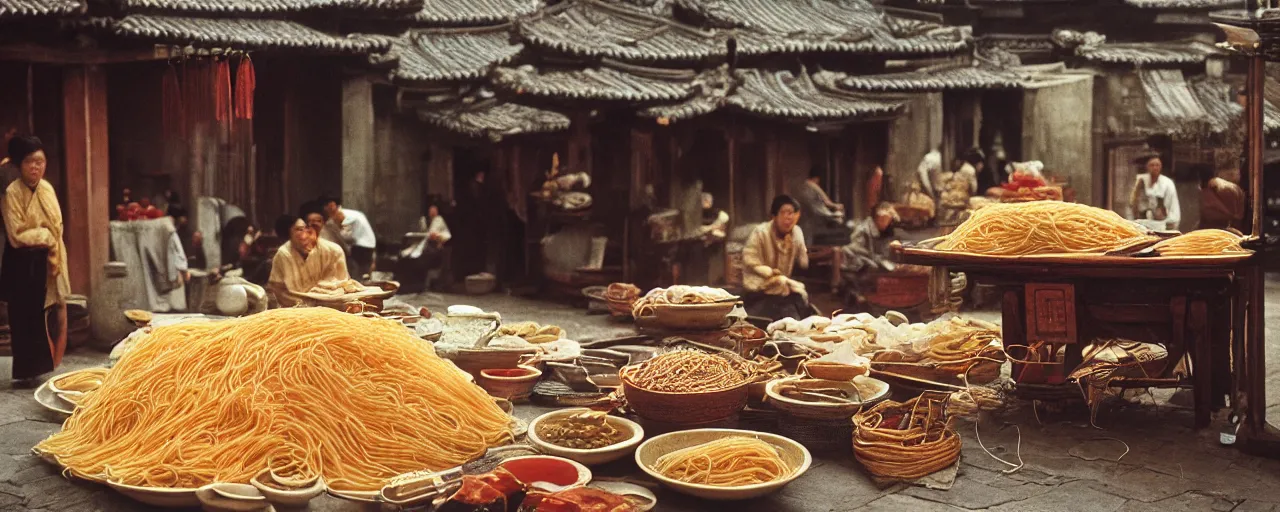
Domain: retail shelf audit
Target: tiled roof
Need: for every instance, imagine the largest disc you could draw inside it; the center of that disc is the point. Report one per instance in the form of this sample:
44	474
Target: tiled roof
851	26
1218	99
924	80
493	118
244	33
17	9
1184	4
590	28
1173	108
475	12
1094	47
782	94
449	54
217	7
711	94
610	82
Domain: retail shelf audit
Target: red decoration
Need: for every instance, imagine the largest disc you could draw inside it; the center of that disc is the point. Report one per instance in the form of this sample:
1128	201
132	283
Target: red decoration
171	103
246	82
222	90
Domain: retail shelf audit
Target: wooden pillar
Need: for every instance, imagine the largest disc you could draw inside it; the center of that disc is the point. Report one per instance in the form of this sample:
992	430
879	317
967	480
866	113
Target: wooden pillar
84	106
358	143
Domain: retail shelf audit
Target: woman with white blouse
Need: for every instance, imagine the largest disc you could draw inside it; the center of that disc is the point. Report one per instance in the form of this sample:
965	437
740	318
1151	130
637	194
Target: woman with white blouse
1155	198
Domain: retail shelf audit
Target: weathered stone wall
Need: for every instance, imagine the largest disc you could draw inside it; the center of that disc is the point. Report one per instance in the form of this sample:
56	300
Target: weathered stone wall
1057	129
910	137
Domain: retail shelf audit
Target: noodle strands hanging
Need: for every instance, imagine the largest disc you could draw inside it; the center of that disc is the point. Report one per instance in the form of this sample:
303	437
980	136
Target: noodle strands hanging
303	392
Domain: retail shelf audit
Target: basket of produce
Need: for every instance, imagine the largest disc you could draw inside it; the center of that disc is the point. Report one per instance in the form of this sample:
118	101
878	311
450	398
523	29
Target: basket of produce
723	464
685	387
961	353
824	399
510	383
681	295
621	297
906	441
586	436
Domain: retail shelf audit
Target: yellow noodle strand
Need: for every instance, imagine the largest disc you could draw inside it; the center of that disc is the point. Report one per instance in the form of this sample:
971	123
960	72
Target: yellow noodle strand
1200	243
1042	227
301	391
728	462
685	371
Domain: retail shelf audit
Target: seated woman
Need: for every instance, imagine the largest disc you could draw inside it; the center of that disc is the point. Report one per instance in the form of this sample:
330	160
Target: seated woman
422	260
771	253
302	263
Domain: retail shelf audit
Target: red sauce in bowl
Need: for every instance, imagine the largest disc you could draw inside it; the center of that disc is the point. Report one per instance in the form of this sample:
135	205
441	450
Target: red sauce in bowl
542	469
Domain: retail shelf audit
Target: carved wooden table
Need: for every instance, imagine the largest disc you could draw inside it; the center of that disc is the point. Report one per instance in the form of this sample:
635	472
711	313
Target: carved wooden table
1193	309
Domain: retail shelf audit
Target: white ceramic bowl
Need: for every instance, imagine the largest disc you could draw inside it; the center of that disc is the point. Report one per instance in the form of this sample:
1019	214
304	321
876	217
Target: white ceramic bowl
792	452
223	497
590	457
159	496
292	498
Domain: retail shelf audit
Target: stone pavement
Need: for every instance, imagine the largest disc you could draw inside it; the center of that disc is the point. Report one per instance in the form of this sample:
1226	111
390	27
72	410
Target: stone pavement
1144	457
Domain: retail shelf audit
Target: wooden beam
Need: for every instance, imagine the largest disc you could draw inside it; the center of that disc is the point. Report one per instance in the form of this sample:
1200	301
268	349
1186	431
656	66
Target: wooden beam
27	52
84	104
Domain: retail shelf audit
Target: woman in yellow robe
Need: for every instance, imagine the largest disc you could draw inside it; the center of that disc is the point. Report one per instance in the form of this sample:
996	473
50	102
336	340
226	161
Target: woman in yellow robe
302	263
33	276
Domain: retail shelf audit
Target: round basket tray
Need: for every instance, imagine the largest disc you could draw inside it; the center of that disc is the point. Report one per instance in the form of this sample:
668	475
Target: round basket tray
693	316
685	408
372	295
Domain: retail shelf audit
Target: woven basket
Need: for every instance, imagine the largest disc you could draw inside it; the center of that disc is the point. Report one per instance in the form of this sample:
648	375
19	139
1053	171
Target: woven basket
693	316
928	444
685	408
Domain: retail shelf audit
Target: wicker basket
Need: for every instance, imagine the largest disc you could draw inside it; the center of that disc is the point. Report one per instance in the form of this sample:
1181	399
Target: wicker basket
685	408
693	316
928	444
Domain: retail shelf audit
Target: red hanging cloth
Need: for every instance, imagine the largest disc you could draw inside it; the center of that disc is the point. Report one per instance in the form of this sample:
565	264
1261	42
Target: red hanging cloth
246	82
171	103
222	90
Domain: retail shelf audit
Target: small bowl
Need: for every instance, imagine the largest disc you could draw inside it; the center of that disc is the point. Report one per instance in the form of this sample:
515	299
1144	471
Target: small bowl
512	384
292	498
226	497
594	456
557	471
830	370
871	391
795	454
159	496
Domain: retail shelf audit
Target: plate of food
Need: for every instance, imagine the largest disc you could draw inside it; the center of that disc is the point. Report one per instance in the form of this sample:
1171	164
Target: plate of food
723	464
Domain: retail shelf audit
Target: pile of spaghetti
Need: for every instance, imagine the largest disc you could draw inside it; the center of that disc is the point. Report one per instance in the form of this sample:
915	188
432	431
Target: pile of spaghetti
727	462
684	371
304	392
1042	227
1201	243
906	441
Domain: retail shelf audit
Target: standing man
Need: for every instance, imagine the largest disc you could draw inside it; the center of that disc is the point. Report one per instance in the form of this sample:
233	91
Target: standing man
355	230
1221	201
771	253
1155	198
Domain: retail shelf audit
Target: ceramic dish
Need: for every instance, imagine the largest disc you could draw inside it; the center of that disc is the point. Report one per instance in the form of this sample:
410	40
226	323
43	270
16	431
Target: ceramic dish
795	454
557	471
224	497
160	497
47	398
594	456
294	497
804	398
641	498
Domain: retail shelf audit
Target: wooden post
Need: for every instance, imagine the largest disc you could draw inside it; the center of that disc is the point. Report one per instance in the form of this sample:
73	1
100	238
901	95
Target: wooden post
358	162
84	107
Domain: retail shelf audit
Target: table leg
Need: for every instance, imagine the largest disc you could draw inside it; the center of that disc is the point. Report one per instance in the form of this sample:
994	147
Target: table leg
1201	361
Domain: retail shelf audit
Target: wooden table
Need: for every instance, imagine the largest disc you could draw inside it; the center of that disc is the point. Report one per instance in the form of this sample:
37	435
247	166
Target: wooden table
1196	308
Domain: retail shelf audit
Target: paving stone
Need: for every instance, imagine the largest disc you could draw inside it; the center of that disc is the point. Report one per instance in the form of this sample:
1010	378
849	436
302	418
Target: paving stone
901	502
1188	502
1143	485
1257	506
970	494
1072	497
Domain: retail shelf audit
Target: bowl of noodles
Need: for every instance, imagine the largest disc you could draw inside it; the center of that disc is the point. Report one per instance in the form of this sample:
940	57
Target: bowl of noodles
685	387
723	464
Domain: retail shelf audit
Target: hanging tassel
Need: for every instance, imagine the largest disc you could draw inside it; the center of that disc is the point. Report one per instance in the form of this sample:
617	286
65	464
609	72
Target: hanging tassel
246	82
222	90
171	103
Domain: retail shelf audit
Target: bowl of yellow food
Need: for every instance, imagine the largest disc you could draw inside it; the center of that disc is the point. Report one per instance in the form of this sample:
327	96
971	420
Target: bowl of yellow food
585	436
723	464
